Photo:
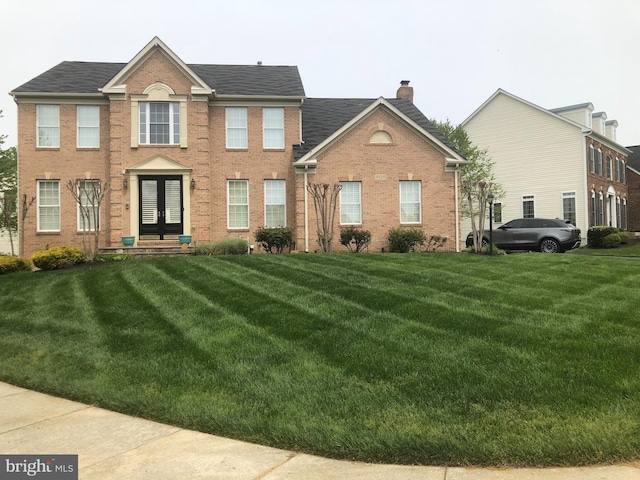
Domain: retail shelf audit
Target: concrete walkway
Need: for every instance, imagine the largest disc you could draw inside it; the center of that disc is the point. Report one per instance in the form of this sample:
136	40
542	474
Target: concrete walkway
114	446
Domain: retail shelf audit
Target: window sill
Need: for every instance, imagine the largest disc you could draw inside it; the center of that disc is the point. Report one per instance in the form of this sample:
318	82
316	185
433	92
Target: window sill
48	149
237	149
48	233
274	150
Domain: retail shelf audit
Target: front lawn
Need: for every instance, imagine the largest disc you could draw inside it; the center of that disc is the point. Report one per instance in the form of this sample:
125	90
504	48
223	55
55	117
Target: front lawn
439	359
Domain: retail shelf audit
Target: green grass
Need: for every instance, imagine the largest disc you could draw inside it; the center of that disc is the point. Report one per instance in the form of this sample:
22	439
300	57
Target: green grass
437	359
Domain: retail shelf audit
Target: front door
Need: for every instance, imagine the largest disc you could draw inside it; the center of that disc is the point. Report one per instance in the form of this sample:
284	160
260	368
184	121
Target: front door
161	205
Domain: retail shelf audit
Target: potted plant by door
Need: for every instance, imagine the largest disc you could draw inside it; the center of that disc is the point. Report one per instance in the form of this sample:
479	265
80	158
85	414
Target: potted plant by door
128	240
184	239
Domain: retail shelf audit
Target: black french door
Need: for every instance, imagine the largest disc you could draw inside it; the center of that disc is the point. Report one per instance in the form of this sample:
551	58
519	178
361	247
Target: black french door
161	211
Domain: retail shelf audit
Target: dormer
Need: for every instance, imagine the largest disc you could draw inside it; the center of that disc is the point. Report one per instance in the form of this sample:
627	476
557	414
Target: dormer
576	113
610	129
599	119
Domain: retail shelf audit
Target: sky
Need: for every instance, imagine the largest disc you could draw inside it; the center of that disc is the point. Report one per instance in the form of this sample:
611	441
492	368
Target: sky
456	53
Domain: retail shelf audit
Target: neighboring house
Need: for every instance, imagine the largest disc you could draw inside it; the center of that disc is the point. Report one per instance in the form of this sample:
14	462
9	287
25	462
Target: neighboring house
560	163
633	184
218	151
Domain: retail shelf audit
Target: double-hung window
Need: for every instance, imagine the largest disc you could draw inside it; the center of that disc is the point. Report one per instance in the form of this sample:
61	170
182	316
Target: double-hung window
275	203
410	202
238	204
608	167
273	128
569	207
159	123
88	126
592	159
528	206
350	203
592	205
236	118
48	120
89	205
617	169
48	205
599	162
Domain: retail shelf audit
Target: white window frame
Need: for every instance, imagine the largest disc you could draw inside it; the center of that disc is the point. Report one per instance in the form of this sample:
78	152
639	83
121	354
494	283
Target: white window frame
88	122
273	128
404	219
570	196
275	199
351	203
53	207
145	123
237	125
527	199
48	126
84	200
237	206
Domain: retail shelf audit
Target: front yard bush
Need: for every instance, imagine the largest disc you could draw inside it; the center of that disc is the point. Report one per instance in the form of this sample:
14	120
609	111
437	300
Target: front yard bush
611	241
10	264
355	239
229	246
596	237
58	257
403	240
274	240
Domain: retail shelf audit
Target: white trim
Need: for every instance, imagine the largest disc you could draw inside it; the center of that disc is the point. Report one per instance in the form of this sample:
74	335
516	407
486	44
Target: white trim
284	183
419	182
229	227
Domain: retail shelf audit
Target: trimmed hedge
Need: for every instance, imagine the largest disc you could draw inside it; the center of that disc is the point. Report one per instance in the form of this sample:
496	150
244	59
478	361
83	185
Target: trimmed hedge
58	257
596	237
403	240
10	264
355	239
229	246
611	241
274	240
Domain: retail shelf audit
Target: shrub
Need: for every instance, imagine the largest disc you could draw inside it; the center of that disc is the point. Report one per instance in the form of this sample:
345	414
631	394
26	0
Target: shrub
355	239
58	257
624	237
9	264
274	240
229	246
403	240
611	241
115	257
435	242
596	235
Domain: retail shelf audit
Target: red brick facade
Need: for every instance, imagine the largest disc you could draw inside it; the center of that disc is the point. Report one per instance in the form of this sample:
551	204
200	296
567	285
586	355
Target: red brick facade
205	164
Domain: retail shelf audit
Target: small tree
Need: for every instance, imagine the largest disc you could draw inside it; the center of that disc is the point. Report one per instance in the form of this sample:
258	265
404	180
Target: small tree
477	179
8	191
89	195
355	239
325	201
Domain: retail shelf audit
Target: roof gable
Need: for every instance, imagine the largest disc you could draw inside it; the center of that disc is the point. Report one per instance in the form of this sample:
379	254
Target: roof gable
117	83
325	120
550	113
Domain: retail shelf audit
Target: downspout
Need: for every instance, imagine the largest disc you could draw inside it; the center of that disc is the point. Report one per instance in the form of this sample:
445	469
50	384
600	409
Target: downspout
306	211
456	172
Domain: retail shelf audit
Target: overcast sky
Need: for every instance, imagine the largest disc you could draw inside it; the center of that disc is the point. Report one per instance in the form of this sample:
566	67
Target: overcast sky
456	53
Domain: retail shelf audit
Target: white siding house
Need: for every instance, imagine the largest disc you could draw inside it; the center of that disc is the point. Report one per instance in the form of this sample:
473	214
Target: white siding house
540	156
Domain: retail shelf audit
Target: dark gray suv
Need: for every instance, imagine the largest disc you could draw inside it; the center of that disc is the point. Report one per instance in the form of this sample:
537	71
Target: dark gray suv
542	234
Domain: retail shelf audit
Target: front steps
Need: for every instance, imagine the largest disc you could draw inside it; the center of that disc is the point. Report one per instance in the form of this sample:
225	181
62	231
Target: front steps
151	248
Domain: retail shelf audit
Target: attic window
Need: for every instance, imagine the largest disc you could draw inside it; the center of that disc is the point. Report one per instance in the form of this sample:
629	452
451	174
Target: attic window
380	137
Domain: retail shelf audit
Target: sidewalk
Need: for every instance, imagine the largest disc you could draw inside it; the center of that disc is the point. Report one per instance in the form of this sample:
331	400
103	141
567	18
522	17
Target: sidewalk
115	446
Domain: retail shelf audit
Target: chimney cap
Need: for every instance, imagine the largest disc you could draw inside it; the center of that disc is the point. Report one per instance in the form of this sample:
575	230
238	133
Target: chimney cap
404	82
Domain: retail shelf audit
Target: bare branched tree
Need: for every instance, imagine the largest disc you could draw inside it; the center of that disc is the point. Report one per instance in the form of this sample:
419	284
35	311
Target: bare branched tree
325	201
89	195
25	205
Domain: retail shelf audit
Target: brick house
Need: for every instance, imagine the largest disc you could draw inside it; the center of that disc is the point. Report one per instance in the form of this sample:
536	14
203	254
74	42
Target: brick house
558	163
218	151
633	184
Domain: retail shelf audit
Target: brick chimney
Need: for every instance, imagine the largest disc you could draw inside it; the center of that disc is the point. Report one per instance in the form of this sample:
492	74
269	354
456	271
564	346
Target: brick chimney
405	91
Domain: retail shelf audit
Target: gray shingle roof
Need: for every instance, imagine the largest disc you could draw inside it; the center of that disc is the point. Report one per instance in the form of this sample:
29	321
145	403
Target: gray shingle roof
634	159
89	77
322	117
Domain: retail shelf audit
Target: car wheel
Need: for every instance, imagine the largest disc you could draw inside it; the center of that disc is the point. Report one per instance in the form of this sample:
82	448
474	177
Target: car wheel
549	245
485	242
